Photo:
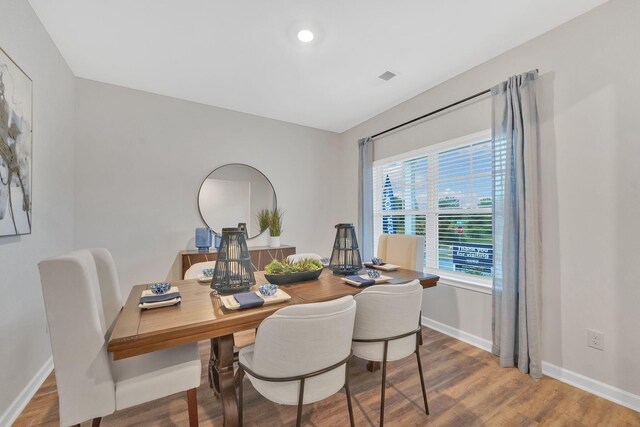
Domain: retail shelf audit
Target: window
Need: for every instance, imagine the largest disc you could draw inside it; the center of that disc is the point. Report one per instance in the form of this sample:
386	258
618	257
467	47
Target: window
443	192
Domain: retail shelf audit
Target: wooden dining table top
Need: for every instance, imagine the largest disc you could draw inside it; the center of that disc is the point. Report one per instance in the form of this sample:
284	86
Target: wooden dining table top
201	315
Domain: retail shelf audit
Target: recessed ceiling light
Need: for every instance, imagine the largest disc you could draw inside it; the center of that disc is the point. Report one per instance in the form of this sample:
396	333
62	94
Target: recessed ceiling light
305	36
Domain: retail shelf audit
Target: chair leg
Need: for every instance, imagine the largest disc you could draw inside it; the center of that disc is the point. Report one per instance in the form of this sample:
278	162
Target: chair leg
300	400
348	392
95	423
239	378
192	404
384	382
424	390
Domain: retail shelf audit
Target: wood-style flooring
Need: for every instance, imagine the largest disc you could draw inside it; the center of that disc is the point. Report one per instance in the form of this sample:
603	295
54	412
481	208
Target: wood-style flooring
465	387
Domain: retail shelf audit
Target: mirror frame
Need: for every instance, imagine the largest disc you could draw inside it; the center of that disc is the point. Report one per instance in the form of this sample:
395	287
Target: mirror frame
275	196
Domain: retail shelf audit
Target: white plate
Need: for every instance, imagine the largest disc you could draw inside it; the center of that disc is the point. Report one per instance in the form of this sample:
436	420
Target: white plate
230	302
203	278
148	305
149	293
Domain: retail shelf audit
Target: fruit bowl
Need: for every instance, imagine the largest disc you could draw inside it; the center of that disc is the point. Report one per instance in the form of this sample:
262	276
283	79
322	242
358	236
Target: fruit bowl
286	278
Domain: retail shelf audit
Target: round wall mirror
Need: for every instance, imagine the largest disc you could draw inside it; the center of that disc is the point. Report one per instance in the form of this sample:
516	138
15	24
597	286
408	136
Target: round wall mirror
233	194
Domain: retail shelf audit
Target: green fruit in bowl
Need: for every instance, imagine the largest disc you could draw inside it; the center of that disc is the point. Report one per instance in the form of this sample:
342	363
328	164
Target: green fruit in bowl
286	267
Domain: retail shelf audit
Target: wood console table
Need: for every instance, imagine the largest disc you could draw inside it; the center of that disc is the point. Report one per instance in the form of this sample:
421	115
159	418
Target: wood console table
260	256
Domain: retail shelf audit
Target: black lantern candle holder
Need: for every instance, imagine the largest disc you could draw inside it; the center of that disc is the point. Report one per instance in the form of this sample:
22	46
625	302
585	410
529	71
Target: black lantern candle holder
233	272
345	257
243	227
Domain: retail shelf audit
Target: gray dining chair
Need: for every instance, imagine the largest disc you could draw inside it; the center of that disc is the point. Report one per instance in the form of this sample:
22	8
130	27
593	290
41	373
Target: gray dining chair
301	354
387	328
82	301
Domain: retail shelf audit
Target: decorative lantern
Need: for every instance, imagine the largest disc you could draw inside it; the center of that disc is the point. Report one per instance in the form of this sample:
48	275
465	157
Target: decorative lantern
345	258
243	227
234	271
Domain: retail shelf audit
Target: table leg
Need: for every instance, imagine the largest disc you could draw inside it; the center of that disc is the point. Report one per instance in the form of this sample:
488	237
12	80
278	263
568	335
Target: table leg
373	366
214	381
222	379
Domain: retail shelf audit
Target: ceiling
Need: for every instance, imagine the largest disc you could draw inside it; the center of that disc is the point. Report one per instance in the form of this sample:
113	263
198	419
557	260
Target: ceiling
244	55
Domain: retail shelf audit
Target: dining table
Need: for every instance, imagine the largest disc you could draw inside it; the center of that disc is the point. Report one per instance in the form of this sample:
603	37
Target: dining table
201	316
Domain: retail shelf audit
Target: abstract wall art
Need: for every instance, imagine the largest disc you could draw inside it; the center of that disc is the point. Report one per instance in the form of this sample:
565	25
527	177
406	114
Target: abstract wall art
15	148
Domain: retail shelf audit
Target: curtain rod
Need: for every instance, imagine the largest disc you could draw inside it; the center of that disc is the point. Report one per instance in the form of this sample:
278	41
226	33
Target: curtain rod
432	113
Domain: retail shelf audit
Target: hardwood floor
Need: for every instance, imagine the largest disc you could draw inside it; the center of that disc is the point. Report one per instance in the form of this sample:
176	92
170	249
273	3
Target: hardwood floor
465	387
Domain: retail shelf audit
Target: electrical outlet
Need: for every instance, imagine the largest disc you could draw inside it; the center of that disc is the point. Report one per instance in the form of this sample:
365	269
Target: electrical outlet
595	339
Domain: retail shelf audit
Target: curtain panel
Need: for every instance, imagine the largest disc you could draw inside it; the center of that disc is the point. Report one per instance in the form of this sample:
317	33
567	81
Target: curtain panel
516	283
365	199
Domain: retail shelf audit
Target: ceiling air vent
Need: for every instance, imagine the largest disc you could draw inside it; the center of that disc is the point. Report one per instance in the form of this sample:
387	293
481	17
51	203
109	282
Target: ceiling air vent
387	75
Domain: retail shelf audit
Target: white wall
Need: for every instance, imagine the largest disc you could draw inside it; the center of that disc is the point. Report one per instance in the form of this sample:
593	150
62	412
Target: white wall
24	347
140	160
589	109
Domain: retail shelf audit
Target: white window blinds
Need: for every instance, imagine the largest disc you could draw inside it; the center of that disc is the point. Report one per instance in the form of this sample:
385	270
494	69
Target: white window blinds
445	194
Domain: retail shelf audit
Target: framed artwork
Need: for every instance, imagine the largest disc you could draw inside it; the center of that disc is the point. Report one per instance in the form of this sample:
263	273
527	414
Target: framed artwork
15	148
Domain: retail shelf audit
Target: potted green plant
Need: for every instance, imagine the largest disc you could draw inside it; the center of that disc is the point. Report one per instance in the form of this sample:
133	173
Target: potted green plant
275	227
264	219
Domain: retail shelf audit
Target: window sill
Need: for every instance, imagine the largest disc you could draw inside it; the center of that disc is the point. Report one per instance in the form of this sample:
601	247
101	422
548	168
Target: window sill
470	284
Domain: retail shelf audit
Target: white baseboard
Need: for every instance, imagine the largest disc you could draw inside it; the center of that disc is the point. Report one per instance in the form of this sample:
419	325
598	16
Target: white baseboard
457	334
580	381
13	411
596	387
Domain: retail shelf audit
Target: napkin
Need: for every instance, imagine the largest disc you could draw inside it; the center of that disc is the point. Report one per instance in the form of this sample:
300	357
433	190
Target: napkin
248	300
150	300
361	281
162	297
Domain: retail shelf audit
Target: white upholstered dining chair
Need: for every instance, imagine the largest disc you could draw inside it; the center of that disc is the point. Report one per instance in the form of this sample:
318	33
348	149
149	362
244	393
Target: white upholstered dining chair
301	354
196	269
110	294
387	328
404	250
82	300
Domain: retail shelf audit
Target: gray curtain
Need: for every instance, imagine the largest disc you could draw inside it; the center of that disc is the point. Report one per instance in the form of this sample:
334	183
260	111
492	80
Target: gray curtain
365	204
516	283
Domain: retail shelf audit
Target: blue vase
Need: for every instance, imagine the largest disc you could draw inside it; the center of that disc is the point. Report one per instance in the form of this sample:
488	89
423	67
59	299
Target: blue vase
203	239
